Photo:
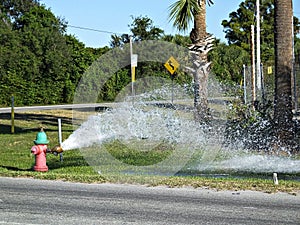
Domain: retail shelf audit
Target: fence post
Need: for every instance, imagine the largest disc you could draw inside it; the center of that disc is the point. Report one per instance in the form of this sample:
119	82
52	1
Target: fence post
12	114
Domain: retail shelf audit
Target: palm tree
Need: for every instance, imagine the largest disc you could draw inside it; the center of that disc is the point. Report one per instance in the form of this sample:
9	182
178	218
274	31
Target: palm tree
182	13
283	69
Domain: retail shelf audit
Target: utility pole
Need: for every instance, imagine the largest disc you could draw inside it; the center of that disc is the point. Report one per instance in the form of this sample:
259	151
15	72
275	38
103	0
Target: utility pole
258	60
245	85
294	78
253	65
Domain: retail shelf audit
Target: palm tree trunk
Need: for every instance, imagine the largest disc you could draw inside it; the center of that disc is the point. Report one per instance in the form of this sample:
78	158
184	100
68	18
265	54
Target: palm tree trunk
198	36
283	70
199	30
182	12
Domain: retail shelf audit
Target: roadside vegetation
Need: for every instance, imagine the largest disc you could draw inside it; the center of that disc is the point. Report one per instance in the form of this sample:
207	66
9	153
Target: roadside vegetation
16	159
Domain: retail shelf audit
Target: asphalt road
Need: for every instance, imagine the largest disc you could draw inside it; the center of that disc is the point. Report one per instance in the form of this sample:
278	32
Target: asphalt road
77	107
29	201
52	107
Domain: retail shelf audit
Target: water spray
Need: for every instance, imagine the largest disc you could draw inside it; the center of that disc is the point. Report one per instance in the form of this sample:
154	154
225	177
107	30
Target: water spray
148	125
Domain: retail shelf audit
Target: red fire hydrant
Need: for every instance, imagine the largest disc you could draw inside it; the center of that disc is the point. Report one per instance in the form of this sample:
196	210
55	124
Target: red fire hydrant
40	150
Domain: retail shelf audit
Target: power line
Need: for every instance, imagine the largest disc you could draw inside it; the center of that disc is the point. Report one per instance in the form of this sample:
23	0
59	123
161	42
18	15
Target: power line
92	29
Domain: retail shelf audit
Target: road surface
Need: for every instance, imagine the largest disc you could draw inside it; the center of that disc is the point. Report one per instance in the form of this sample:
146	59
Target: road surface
82	107
29	201
53	107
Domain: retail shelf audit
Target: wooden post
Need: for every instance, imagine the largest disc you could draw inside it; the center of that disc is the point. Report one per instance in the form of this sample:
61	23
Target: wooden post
12	114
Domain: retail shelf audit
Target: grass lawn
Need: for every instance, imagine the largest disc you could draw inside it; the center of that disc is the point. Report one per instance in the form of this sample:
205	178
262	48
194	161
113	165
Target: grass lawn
16	159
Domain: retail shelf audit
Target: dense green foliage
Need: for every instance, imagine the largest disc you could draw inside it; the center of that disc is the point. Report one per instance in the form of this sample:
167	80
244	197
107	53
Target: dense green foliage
41	64
227	61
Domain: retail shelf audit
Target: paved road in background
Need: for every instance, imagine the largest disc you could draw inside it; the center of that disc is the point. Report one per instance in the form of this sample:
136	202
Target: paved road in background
29	201
76	106
50	107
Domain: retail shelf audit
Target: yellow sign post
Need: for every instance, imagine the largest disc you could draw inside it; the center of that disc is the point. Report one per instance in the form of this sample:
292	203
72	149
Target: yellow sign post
172	65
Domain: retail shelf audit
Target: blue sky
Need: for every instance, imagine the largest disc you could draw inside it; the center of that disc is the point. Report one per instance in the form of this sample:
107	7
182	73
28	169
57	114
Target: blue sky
114	16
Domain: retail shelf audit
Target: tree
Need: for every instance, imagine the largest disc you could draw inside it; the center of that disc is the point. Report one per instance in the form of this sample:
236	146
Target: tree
227	61
238	27
178	39
283	70
39	63
35	53
16	60
43	34
14	9
81	59
182	12
142	28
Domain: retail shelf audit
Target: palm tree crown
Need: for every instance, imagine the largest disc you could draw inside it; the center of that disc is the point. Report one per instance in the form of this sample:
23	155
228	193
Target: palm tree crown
182	12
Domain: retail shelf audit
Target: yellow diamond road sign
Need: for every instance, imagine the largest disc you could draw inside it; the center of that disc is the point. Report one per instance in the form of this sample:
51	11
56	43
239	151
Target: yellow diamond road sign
172	65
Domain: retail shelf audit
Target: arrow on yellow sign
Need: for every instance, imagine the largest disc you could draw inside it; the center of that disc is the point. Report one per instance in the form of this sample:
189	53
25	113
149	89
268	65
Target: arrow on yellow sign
171	65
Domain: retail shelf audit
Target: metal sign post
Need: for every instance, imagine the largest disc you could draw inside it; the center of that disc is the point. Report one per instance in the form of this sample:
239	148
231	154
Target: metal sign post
172	78
133	65
172	65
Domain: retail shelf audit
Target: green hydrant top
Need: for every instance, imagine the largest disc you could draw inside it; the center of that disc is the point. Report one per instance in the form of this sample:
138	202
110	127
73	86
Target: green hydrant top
41	138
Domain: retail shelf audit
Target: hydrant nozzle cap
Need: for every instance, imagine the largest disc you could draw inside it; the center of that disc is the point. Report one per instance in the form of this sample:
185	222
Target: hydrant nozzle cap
41	138
57	149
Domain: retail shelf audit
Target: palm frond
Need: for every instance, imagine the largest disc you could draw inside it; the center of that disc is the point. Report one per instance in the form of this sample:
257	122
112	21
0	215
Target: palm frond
210	2
182	13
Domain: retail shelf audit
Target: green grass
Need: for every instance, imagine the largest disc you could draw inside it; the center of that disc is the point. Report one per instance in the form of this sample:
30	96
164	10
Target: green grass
16	159
136	157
